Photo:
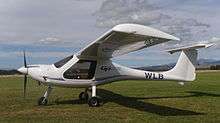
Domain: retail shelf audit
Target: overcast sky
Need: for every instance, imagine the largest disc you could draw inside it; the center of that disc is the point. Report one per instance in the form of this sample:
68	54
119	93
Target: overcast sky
52	29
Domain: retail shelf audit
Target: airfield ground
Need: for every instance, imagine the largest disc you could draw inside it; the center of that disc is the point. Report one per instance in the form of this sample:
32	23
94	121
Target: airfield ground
124	101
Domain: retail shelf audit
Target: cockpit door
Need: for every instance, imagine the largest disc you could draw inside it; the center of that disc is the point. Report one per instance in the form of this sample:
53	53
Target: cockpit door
83	69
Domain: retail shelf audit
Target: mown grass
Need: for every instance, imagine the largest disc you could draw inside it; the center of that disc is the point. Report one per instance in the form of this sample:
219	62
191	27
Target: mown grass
124	101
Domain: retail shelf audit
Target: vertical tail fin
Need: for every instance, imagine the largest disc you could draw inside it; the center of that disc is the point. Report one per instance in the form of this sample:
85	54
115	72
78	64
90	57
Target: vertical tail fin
185	67
186	64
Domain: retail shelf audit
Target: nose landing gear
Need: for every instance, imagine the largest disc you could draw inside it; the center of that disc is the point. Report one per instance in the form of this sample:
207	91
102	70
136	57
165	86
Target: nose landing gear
43	100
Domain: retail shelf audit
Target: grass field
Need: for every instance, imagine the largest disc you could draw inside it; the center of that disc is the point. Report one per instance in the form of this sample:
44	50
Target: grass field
124	101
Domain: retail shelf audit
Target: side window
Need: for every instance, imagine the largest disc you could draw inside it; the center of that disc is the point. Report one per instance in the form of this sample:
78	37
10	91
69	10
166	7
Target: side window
60	63
83	69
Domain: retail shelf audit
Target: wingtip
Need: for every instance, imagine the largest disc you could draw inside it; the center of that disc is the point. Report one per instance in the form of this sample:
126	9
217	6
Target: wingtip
177	39
209	45
174	38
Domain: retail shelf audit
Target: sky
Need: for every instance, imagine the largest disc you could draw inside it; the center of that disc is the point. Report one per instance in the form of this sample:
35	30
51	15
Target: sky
53	29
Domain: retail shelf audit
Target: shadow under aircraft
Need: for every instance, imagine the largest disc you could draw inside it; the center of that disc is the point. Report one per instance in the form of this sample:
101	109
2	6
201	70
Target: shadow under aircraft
138	103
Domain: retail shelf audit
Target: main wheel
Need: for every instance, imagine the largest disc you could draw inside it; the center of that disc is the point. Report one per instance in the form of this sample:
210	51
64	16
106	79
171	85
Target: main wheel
42	101
94	102
83	96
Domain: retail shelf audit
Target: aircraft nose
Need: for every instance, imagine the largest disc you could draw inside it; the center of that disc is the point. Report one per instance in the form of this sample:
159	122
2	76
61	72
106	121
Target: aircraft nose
23	70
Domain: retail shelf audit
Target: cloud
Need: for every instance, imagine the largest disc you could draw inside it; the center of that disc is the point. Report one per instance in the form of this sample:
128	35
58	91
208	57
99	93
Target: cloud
14	59
113	12
26	21
50	40
155	14
58	28
49	54
35	54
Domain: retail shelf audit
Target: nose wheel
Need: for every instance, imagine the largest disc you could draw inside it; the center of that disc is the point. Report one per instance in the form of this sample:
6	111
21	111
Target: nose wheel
42	101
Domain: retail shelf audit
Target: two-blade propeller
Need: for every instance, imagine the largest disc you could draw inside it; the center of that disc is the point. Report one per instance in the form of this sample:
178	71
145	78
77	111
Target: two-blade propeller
24	70
25	75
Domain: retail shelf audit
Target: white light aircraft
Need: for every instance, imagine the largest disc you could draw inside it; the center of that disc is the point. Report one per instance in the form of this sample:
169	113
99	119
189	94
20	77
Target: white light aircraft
92	66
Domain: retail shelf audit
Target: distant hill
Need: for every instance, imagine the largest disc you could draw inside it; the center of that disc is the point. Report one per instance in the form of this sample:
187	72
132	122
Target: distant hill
8	72
202	64
208	62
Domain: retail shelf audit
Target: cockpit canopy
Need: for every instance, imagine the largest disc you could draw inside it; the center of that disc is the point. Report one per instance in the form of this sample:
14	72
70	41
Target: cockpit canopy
82	69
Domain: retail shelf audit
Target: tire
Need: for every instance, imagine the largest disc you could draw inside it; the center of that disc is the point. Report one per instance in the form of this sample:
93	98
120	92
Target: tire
42	101
83	96
94	102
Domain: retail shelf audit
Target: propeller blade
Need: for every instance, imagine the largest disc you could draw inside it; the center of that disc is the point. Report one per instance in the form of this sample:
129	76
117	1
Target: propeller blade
25	62
25	85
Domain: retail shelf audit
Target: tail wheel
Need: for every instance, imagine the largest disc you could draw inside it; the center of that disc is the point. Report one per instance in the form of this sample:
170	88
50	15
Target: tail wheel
94	102
42	101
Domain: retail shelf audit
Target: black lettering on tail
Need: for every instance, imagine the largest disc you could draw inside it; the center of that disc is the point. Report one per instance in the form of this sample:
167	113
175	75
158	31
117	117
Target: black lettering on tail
148	75
153	76
160	76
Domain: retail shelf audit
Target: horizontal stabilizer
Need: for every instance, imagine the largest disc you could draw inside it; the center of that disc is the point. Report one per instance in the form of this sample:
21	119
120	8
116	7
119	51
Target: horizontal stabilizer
184	69
195	46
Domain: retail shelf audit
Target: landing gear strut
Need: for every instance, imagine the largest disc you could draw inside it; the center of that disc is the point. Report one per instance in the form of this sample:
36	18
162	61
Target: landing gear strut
43	100
89	95
94	101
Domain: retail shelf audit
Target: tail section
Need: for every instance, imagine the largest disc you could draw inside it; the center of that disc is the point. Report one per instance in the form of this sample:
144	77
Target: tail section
186	64
185	67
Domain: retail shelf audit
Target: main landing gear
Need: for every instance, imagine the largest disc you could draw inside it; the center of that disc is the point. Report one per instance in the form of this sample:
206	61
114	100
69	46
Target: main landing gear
92	100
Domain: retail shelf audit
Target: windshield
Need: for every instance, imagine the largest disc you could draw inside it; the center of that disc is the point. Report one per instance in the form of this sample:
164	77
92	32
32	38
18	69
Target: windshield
60	63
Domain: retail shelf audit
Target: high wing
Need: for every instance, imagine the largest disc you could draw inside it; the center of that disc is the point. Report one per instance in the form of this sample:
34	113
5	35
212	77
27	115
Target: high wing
122	39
